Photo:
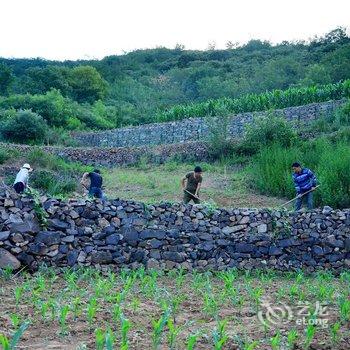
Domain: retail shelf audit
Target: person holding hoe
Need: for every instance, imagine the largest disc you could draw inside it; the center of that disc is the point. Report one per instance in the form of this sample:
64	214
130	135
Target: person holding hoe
95	189
191	185
305	183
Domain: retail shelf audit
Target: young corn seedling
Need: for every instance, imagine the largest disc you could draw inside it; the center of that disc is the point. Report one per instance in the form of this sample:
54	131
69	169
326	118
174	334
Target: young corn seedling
250	345
173	333
292	337
210	304
335	332
180	278
99	339
19	290
15	320
125	326
309	336
135	304
191	341
276	341
91	310
63	318
219	335
344	309
76	307
11	344
158	327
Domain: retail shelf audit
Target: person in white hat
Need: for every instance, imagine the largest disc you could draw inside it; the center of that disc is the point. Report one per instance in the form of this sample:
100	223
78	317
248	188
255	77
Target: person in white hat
22	178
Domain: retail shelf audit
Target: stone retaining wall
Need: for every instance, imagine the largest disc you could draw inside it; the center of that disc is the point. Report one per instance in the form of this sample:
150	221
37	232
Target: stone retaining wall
122	233
191	151
194	129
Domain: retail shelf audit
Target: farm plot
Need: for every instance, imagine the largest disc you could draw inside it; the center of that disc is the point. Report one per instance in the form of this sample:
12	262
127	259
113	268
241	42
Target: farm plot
141	309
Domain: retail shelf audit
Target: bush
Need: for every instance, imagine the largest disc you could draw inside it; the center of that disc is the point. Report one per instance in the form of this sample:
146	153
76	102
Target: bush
24	127
3	156
266	131
52	184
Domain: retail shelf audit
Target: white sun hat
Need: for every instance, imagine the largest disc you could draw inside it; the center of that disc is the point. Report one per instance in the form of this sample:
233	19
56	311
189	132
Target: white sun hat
27	166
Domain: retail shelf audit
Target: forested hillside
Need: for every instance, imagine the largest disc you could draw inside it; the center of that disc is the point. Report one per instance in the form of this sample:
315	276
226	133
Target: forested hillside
149	85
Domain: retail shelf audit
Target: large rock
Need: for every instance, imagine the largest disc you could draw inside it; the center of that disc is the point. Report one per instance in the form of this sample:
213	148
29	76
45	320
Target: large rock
147	234
7	260
48	237
26	226
101	257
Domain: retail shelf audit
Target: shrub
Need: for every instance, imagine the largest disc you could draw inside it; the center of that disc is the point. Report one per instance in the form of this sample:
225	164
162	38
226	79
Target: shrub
52	184
3	156
267	130
24	127
219	141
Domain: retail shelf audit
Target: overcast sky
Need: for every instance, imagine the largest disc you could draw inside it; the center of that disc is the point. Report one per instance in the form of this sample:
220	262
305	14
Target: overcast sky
73	29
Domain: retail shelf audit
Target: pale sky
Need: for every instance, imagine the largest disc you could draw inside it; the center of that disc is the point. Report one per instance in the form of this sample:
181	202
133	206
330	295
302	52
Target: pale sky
73	29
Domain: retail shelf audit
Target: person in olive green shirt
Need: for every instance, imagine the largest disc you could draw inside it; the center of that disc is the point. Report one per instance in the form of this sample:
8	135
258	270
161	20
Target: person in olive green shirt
192	183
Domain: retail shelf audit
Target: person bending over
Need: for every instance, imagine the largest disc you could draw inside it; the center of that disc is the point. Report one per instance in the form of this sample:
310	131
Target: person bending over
21	181
191	185
95	189
304	181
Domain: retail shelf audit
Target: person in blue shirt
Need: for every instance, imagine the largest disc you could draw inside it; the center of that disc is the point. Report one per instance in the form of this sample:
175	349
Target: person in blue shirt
304	181
95	189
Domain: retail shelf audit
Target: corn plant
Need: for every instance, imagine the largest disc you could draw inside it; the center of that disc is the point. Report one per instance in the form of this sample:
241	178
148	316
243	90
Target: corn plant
276	341
292	337
219	335
309	335
335	332
91	310
191	341
100	339
76	307
158	327
344	309
15	320
63	318
250	345
125	326
10	344
19	290
173	333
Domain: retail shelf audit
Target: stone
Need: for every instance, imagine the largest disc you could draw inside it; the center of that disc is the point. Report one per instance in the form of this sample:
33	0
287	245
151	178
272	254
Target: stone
72	257
81	257
232	229
7	260
4	235
275	251
147	234
57	224
346	243
113	239
48	237
152	264
173	256
68	239
244	248
26	226
317	250
101	257
130	235
262	228
25	258
17	238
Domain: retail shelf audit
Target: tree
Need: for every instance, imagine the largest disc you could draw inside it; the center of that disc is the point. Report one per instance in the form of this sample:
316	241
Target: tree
87	84
40	80
6	79
24	127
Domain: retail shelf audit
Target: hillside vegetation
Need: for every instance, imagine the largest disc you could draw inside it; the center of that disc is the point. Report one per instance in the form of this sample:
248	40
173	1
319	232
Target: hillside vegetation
167	84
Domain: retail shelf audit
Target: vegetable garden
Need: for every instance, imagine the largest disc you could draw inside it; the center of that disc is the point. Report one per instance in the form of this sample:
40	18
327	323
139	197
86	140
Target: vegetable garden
85	309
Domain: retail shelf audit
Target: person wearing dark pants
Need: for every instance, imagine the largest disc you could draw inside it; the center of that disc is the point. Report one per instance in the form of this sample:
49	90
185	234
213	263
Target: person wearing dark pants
22	178
95	189
191	185
304	181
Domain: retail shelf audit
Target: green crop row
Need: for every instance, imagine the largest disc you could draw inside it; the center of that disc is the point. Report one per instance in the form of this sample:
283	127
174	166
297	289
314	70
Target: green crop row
257	102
